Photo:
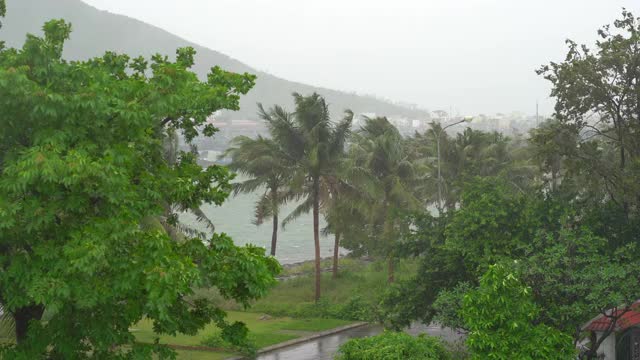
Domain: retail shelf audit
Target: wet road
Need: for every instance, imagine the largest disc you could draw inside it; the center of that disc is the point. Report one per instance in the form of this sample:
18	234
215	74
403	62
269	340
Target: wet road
325	348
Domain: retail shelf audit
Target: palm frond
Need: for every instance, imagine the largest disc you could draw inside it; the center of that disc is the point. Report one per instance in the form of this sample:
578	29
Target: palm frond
249	186
341	133
203	218
303	208
264	208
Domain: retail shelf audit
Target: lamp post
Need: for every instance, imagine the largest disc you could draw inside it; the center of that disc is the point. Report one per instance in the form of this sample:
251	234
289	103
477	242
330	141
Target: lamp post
437	135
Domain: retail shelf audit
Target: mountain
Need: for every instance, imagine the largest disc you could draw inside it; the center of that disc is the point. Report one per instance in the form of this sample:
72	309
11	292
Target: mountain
96	31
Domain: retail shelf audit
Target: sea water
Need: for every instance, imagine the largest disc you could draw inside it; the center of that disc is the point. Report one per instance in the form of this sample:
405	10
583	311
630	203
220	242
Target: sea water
235	216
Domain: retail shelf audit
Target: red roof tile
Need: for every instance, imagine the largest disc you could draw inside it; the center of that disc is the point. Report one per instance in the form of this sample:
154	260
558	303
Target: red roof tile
629	319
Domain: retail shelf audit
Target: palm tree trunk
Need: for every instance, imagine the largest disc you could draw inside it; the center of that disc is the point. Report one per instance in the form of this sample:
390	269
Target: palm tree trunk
316	233
336	254
274	235
386	234
23	316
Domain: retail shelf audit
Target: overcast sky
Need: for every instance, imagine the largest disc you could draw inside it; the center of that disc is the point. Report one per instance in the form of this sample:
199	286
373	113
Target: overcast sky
477	56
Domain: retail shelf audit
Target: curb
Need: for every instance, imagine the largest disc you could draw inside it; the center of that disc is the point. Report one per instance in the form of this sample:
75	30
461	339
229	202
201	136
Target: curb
304	339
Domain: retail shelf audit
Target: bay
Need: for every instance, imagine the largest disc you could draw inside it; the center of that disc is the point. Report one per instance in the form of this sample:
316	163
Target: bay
295	242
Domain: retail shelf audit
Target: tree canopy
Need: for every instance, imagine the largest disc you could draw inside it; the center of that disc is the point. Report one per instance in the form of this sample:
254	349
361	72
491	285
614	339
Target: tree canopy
81	158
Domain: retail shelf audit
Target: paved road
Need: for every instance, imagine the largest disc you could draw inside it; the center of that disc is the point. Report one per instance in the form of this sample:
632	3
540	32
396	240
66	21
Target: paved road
325	348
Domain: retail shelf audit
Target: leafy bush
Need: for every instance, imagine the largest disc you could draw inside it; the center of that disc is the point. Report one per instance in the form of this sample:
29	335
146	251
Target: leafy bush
458	349
356	308
222	341
393	346
216	341
448	304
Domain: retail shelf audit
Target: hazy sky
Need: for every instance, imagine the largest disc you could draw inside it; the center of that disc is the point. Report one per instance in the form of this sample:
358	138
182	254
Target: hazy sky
477	56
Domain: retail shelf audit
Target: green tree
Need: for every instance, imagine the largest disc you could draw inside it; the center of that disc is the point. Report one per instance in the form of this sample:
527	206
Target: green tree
597	98
469	154
575	276
500	316
495	221
314	145
3	9
448	305
440	268
82	164
550	144
378	149
394	345
341	213
264	163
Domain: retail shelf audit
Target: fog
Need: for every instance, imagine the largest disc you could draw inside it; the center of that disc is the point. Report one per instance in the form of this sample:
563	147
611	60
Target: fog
475	56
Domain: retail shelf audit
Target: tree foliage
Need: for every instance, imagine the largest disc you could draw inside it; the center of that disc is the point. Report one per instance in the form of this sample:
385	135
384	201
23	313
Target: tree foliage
378	151
597	93
500	316
81	157
469	154
394	345
574	278
3	10
266	165
314	146
494	221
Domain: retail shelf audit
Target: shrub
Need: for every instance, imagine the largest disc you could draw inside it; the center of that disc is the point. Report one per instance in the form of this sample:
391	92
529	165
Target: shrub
218	341
393	346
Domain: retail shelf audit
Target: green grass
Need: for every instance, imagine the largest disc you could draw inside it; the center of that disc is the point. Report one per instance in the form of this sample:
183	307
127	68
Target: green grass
351	296
262	332
202	355
364	280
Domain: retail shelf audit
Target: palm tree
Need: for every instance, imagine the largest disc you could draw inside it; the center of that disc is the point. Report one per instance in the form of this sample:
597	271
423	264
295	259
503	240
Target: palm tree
468	154
343	212
313	145
379	148
264	163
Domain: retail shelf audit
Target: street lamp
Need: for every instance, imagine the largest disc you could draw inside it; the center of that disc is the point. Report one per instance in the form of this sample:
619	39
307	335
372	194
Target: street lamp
437	135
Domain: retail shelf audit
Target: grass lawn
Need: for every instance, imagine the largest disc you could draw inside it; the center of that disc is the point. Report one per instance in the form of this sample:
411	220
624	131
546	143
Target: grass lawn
202	355
294	297
262	332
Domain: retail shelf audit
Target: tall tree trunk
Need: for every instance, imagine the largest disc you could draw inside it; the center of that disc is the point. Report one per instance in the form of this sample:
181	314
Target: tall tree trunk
619	125
391	271
316	233
23	316
274	235
386	235
336	254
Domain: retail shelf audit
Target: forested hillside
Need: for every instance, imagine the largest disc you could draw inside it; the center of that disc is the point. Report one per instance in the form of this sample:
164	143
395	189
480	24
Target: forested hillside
96	31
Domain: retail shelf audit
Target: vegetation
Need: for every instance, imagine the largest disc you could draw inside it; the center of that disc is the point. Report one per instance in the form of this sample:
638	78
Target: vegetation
264	331
263	161
516	242
353	295
378	151
394	345
499	315
313	145
562	204
570	224
83	176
